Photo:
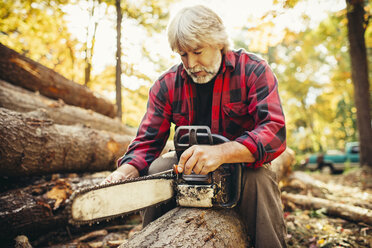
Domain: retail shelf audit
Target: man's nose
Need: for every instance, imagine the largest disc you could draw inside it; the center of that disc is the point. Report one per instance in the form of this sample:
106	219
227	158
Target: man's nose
192	61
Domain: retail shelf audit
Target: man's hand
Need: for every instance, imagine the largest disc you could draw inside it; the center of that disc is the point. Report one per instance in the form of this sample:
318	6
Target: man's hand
201	159
124	172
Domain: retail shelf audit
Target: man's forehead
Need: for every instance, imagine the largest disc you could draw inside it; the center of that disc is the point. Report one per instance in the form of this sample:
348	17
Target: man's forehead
191	48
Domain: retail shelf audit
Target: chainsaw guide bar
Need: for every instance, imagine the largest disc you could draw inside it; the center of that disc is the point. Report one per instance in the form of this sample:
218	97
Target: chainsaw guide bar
108	201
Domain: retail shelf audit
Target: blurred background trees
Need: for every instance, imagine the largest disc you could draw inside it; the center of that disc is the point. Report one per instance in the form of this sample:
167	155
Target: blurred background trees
311	61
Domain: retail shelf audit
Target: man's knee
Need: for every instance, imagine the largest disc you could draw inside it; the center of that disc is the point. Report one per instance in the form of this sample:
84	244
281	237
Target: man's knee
162	163
258	175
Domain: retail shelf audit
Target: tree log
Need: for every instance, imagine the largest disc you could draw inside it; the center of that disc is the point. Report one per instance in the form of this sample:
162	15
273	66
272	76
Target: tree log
21	100
22	71
302	183
31	144
192	227
348	212
282	165
40	207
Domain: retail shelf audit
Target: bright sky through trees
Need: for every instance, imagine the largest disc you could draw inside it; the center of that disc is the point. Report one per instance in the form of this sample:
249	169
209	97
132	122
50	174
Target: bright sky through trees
235	13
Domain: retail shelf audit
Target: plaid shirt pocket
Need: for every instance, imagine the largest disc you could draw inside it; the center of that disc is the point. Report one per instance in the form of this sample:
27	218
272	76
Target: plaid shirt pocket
235	109
236	119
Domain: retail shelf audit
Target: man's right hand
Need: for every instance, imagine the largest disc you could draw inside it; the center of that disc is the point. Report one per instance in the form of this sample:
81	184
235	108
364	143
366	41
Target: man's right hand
126	171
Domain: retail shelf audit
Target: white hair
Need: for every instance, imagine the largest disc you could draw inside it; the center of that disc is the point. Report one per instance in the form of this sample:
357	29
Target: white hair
195	27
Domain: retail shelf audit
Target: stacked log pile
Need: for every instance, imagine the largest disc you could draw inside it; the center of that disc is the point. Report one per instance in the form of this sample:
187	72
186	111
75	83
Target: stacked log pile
49	125
22	71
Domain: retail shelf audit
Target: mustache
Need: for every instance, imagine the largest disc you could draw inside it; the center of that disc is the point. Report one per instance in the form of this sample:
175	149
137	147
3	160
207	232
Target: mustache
199	69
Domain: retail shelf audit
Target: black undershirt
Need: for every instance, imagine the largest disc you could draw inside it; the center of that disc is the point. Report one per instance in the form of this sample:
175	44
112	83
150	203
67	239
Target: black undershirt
204	96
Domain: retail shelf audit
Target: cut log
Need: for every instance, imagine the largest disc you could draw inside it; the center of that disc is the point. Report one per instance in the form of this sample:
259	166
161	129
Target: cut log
282	165
22	71
40	208
21	100
31	144
34	209
192	227
348	212
302	183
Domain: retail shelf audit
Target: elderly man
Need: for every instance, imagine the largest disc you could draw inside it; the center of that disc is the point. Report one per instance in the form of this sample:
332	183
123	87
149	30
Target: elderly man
235	93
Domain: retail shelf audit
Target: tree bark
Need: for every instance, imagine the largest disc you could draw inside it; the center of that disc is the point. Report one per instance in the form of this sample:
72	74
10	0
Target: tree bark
38	208
19	70
348	212
118	59
302	183
359	74
31	144
192	227
282	165
21	100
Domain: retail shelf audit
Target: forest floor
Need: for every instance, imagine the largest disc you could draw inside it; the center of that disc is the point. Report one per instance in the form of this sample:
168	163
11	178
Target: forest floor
313	228
306	228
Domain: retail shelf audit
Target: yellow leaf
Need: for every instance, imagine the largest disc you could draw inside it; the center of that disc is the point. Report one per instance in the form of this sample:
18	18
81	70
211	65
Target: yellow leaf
60	193
321	241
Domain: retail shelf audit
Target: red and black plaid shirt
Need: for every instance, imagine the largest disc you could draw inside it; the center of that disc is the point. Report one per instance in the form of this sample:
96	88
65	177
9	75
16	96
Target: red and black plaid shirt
245	108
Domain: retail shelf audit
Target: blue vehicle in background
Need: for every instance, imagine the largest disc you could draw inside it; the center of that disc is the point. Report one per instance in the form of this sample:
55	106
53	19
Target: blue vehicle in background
334	161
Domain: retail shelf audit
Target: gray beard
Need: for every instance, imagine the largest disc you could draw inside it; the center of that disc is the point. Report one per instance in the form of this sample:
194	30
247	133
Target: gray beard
211	73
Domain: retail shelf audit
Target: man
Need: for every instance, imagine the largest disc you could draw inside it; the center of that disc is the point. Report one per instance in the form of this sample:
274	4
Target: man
234	93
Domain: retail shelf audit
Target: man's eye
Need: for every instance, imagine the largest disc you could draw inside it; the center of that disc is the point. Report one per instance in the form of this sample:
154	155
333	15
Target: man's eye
183	54
197	53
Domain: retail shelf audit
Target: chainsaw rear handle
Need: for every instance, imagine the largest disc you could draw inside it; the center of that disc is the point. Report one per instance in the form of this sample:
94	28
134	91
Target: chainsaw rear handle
187	136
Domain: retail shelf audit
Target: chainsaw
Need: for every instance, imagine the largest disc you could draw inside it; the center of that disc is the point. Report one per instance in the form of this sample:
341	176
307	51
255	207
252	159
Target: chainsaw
220	188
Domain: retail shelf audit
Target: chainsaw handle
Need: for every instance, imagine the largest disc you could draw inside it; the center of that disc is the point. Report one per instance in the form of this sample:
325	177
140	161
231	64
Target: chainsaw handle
193	132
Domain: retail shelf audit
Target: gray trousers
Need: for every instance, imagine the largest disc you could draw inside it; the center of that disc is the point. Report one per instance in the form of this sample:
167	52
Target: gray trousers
260	204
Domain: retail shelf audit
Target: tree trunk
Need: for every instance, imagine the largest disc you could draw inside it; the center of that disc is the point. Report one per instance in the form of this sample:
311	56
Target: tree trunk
359	74
32	145
348	212
89	50
118	59
21	100
192	227
19	70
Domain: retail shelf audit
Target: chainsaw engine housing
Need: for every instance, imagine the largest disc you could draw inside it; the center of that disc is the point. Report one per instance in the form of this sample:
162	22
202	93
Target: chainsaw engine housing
220	188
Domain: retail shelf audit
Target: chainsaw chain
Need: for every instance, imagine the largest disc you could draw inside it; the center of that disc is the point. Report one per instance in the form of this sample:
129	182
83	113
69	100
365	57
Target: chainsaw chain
101	186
